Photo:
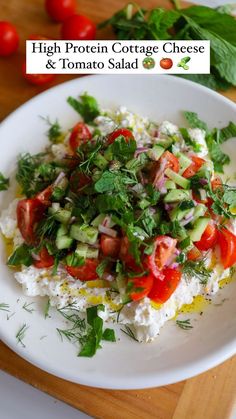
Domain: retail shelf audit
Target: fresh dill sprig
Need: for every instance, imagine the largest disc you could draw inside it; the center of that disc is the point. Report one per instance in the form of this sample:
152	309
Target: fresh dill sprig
129	332
54	132
10	315
85	166
196	268
77	332
184	324
47	227
28	308
4	307
47	308
21	334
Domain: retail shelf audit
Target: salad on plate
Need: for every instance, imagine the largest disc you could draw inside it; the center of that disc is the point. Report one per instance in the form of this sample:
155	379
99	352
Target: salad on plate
125	215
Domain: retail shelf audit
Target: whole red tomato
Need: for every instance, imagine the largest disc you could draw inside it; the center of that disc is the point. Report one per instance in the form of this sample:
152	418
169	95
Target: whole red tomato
9	39
78	27
37	79
166	63
60	10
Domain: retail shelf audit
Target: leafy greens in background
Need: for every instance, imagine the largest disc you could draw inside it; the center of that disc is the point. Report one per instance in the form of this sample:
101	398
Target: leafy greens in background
193	23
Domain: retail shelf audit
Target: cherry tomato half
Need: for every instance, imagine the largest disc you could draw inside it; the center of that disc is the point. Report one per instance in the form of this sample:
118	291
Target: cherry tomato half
164	248
87	272
45	195
9	39
29	212
165	285
170	161
227	243
78	181
208	239
37	79
194	254
126	256
59	10
110	246
194	167
78	27
216	183
45	261
126	133
140	287
80	134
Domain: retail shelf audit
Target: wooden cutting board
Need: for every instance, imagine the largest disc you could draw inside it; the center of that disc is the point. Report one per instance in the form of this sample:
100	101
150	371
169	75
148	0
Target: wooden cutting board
210	395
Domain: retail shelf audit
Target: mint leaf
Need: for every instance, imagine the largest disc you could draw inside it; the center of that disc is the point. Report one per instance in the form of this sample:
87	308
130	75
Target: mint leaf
109	335
227	132
159	21
194	121
229	198
220	24
123	149
106	183
87	107
21	256
4	182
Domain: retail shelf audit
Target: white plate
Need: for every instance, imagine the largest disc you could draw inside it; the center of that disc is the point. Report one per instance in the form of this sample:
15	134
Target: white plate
176	354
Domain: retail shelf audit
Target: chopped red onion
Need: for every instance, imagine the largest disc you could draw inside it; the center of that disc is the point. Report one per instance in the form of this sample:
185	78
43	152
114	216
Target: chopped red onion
174	265
106	222
184	222
59	178
35	256
140	150
69	199
106	230
203	181
108	277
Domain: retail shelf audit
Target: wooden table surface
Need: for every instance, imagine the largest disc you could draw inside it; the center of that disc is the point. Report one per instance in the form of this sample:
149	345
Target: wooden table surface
210	395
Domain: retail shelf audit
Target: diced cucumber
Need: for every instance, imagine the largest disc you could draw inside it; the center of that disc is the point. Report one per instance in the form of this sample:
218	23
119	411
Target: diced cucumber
98	220
81	250
177	214
184	162
144	203
84	234
62	230
198	228
186	243
178	179
96	175
64	242
85	251
55	207
121	282
170	184
165	142
177	195
100	161
199	211
155	152
108	154
92	253
61	215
